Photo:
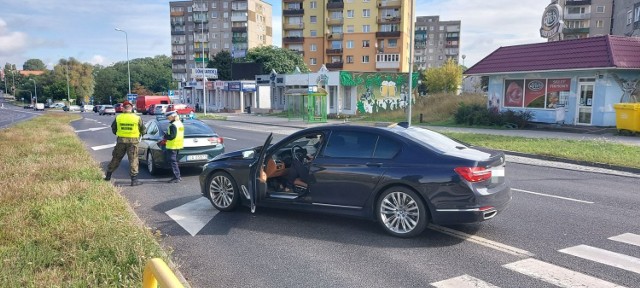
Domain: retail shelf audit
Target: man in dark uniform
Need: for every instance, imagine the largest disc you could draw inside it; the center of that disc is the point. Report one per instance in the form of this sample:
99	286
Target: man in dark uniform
128	127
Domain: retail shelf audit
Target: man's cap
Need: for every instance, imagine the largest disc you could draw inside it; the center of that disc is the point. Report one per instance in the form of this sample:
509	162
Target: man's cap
171	113
126	102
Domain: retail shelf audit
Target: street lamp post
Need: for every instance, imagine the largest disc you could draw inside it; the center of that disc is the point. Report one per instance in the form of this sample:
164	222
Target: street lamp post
35	90
204	76
463	56
126	38
68	94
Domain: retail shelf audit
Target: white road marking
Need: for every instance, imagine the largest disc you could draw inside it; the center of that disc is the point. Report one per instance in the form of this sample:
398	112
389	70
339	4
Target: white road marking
482	241
193	216
552	196
557	275
629	238
101	147
91	129
229	138
464	281
606	257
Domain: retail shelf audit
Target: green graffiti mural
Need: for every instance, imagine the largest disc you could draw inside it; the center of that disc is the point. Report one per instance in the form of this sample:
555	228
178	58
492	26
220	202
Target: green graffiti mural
379	91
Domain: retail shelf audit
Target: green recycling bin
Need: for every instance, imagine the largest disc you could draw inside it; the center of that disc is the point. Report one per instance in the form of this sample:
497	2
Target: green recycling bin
627	116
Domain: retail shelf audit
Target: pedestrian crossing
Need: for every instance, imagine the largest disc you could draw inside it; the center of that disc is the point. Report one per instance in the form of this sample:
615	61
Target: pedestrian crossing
558	275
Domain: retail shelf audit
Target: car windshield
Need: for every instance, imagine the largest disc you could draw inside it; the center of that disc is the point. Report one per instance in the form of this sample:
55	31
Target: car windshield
191	128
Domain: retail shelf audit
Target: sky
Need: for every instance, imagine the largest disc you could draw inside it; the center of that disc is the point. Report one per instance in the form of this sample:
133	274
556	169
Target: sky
50	30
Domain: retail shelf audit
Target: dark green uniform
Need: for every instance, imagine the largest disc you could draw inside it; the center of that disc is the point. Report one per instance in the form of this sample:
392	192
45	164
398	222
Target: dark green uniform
128	127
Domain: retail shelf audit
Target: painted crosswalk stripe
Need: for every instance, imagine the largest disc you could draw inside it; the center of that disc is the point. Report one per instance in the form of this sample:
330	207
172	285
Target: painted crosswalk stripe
91	129
193	216
606	257
629	238
557	275
101	147
464	281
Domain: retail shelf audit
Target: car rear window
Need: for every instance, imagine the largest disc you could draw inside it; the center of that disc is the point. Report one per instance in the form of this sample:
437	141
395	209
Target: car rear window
191	128
430	139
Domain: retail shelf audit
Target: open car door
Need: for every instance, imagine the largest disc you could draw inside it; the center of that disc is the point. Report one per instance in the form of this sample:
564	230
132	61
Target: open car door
257	175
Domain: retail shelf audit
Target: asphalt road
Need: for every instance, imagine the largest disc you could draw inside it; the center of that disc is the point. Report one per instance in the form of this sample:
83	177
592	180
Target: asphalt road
10	115
564	227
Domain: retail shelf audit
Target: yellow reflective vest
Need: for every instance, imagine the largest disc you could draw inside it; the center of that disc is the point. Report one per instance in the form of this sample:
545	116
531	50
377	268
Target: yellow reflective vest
128	125
178	142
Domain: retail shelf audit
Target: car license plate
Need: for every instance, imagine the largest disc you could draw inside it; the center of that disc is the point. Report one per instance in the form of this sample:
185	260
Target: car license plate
197	157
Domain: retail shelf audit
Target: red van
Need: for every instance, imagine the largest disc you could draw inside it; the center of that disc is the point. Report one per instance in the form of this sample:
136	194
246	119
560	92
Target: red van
143	102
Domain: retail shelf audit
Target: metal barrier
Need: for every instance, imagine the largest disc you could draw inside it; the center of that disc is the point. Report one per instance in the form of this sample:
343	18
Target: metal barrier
156	272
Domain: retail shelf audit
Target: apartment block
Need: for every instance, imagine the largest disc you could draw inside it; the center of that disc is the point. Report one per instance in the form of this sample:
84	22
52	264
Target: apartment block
201	29
584	18
626	18
435	41
355	35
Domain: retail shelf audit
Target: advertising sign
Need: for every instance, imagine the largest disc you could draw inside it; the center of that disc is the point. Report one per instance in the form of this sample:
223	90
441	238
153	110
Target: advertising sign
208	72
233	86
552	22
248	87
534	93
218	84
513	95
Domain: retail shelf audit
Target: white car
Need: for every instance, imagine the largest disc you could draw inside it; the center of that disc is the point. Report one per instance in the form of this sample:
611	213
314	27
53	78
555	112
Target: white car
86	108
160	109
39	107
107	109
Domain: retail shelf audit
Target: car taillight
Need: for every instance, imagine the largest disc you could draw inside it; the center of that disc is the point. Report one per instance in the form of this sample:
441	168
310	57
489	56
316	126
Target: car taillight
162	142
216	140
474	174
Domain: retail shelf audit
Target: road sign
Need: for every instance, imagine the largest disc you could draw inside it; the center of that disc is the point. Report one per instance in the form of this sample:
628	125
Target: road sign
132	97
170	92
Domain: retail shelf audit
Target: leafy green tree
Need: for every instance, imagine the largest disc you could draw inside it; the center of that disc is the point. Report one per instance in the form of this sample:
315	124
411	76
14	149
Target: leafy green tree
275	58
222	61
106	85
443	79
34	65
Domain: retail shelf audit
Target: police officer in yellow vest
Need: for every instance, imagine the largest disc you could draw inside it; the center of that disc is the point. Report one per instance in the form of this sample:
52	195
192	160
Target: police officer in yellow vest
128	127
175	142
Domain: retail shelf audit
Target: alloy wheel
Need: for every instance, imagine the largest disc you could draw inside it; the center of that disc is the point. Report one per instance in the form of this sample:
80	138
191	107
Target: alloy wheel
399	212
221	191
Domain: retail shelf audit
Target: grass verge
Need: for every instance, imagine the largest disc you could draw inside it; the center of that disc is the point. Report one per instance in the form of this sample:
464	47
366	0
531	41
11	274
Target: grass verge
61	225
597	151
210	116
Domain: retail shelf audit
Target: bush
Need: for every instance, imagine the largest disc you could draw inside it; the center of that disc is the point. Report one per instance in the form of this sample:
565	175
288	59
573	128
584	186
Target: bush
479	115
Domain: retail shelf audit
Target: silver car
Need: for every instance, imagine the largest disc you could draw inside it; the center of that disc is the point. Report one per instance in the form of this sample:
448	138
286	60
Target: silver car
107	109
160	109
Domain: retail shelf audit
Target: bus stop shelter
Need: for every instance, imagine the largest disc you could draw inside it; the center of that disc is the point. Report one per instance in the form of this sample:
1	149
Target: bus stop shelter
308	104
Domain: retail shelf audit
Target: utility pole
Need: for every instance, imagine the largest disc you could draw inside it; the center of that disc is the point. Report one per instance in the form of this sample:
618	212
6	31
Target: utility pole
412	32
204	76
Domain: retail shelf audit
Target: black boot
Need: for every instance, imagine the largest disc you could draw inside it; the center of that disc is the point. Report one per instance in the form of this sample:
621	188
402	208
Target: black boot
107	177
134	181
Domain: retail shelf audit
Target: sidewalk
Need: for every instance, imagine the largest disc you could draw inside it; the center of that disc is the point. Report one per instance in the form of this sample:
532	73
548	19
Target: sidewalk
539	131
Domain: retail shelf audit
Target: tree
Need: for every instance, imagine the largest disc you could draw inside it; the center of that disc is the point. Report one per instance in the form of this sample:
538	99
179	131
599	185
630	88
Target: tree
443	79
34	65
275	58
222	61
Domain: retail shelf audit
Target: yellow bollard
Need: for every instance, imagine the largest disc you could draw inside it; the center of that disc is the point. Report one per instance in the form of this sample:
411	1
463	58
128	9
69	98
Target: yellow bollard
156	272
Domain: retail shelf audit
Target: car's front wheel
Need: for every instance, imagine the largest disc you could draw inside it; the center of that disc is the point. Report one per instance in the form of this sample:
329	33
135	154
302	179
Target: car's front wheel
223	191
151	164
401	212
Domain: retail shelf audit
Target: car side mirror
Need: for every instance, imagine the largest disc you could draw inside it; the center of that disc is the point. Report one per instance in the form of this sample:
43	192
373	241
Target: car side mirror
248	154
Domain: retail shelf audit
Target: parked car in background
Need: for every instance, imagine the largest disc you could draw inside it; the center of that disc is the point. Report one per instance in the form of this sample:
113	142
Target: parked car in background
29	106
85	108
144	101
150	109
107	109
201	144
159	109
96	108
57	105
402	177
180	108
118	107
71	108
39	107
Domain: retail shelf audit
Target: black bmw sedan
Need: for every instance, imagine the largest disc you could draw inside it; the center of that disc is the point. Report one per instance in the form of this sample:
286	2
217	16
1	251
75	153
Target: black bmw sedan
402	177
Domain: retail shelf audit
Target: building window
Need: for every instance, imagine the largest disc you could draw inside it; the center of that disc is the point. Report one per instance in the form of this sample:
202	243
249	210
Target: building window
313	19
393	43
313	61
599	24
225	5
349	59
214	14
600	9
225	24
313	47
365	43
636	16
313	4
226	15
365	59
629	17
366	13
350	13
313	33
366	28
350	29
350	44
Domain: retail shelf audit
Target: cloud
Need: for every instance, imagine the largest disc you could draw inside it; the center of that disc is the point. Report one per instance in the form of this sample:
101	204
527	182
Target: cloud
97	59
11	43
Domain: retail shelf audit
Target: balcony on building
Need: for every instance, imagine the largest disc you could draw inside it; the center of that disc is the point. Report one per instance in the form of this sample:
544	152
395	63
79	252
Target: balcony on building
200	7
198	20
239	39
335	5
239	5
575	30
333	51
389	34
239	18
178	31
334	65
576	16
177	51
176	13
199	60
335	21
577	3
179	61
299	52
293	39
334	36
293	26
388	61
292	12
451	45
389	19
452	38
389	3
178	42
179	70
239	29
200	28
